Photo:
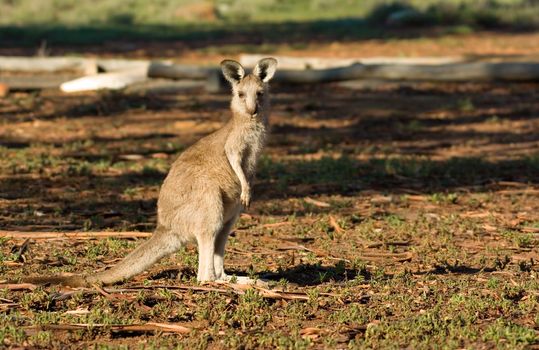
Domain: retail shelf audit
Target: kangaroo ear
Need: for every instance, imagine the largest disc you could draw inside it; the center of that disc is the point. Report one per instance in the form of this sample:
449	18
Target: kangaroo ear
232	70
265	69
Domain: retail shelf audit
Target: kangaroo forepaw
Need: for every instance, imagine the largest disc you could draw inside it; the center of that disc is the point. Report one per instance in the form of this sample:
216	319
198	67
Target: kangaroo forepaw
245	198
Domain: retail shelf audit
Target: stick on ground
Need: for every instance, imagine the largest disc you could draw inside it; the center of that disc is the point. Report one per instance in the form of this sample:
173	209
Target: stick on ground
72	235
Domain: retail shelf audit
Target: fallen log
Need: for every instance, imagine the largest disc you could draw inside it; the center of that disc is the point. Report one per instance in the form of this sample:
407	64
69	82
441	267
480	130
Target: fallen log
166	86
88	66
452	72
47	64
289	62
81	65
178	71
123	73
117	65
34	82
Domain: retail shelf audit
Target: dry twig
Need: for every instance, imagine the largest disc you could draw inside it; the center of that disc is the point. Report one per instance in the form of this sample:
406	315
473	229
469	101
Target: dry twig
18	286
149	327
317	203
72	235
335	225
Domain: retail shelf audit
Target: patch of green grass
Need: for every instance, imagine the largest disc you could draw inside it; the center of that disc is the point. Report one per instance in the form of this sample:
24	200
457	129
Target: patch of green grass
465	105
508	335
494	119
354	314
449	172
10	334
48	159
107	247
133	12
460	15
444	198
86	22
338	171
188	259
533	224
520	239
411	126
131	191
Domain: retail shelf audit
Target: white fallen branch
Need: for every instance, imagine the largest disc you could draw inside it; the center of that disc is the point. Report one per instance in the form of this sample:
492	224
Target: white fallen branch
137	73
111	81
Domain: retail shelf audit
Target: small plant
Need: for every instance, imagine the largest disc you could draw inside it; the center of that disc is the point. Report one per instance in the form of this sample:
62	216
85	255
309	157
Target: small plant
131	191
444	198
506	332
526	266
465	105
411	127
522	240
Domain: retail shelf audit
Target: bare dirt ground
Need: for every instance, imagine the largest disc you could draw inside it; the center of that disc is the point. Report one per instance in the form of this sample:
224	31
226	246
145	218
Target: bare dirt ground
387	216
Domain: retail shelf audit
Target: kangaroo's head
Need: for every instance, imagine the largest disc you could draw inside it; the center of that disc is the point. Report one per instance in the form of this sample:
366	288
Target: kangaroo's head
249	92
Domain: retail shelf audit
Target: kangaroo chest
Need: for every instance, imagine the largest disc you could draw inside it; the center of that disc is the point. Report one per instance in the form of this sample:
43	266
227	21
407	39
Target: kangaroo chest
254	141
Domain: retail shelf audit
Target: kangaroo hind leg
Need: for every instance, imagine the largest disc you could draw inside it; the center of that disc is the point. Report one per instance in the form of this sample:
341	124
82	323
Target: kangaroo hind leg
206	250
220	243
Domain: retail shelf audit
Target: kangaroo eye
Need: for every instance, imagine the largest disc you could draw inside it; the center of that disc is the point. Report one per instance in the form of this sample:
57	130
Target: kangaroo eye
260	93
241	94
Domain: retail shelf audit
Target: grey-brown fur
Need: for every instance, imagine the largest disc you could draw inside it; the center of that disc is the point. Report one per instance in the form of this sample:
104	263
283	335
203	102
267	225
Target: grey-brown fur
207	187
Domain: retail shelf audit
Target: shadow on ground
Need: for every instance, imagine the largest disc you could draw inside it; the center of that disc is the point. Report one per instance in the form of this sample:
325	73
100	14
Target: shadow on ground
85	197
326	140
301	275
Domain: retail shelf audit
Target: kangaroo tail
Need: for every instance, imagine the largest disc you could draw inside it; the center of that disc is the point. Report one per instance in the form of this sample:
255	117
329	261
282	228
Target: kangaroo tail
160	244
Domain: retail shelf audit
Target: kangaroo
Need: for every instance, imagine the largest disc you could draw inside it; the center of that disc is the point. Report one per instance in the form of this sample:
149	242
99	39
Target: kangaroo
206	188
